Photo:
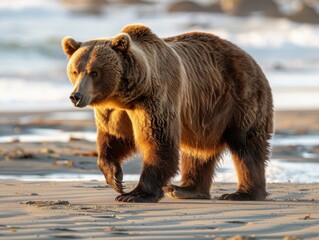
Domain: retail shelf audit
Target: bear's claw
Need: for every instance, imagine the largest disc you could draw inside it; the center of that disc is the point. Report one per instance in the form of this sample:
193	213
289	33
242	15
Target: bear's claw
117	185
237	196
133	197
241	195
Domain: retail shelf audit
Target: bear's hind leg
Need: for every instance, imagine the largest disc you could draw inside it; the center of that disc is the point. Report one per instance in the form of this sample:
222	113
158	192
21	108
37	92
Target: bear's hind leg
196	178
250	153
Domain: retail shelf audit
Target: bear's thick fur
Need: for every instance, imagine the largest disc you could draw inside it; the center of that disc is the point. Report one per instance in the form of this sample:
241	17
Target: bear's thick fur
187	97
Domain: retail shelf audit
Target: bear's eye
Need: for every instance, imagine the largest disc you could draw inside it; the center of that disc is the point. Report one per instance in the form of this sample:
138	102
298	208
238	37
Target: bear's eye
93	74
74	72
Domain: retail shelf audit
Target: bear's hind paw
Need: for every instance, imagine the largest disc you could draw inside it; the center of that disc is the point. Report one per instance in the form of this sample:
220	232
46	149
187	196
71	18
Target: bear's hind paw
242	196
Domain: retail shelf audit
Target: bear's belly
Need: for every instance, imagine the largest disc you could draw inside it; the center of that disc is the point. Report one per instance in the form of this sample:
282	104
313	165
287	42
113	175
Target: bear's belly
202	152
202	144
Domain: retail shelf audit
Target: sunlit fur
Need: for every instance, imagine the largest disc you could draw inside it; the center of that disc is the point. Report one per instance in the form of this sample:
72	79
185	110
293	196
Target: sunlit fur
187	98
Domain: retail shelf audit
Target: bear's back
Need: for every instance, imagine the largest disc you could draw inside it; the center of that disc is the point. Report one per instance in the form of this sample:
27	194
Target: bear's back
221	83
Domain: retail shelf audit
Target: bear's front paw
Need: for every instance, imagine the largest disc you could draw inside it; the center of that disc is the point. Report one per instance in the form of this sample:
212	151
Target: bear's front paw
137	196
113	174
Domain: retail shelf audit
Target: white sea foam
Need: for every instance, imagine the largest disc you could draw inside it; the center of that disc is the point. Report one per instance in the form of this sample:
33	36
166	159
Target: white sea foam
28	95
49	135
277	33
279	171
22	4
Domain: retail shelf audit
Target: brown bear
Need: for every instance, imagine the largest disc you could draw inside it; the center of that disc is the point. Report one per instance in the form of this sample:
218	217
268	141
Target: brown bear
188	97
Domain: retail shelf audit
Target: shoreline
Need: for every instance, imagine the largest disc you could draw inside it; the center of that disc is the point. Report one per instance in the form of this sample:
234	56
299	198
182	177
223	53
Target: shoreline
306	120
283	119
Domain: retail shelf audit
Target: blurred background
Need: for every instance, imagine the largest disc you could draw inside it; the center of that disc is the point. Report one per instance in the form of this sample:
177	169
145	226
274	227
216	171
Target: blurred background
36	115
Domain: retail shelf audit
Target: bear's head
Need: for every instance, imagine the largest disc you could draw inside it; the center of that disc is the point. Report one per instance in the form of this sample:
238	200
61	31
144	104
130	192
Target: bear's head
95	68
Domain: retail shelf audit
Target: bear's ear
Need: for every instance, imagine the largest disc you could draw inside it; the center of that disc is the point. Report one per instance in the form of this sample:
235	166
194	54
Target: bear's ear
69	46
121	42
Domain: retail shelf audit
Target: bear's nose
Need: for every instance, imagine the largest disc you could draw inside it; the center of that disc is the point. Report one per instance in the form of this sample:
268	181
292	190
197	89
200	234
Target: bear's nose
76	98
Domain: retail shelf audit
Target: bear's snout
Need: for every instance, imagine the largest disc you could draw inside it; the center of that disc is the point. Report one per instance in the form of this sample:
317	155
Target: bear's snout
76	98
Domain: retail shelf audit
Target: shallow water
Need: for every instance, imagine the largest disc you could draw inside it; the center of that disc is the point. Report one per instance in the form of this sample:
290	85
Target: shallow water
298	165
277	171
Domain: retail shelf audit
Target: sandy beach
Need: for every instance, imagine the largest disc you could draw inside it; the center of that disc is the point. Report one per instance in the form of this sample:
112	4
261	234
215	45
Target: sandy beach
63	210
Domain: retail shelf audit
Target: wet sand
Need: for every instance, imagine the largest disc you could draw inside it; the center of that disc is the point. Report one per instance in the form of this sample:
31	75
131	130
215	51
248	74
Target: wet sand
298	122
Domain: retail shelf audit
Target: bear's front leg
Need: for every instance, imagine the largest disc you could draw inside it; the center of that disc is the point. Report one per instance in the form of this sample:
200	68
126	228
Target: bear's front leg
111	152
158	139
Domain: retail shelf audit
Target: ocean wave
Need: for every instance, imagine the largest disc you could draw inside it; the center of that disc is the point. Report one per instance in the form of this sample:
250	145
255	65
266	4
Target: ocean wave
49	47
277	44
254	31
